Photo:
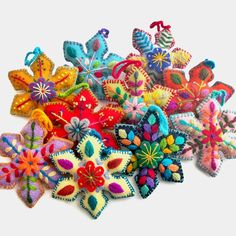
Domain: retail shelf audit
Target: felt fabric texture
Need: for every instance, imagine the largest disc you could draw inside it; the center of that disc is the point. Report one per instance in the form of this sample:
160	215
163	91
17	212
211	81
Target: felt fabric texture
160	54
155	149
41	87
74	122
29	166
133	95
190	93
211	139
93	170
94	66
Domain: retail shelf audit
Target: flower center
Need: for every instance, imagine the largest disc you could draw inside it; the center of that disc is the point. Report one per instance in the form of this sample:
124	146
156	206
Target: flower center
159	57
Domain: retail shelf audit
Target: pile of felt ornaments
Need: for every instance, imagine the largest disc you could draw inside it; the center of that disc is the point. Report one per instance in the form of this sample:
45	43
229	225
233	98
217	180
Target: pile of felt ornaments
95	124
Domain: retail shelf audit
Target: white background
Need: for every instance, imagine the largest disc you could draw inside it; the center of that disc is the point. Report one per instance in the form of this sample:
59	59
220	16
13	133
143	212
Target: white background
201	205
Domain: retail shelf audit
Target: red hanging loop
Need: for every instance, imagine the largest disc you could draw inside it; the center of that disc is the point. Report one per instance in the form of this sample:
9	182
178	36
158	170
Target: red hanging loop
159	24
116	73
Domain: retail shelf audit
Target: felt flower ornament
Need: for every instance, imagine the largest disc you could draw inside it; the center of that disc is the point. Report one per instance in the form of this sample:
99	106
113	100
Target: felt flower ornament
209	137
73	123
93	66
158	56
42	86
93	170
155	148
29	164
132	93
191	93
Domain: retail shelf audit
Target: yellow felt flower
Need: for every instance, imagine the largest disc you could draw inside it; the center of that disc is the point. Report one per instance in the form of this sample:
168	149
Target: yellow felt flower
41	87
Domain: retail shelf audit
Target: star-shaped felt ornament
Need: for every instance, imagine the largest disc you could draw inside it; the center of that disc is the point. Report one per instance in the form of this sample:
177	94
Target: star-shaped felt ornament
42	86
132	93
93	66
93	171
189	94
73	123
155	148
29	165
158	56
210	138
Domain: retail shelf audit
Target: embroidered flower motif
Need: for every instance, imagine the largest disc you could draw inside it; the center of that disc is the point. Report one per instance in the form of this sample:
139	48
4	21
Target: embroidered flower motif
77	128
155	148
93	171
134	108
209	139
29	166
159	55
158	59
93	67
191	93
42	91
75	123
90	177
133	92
42	87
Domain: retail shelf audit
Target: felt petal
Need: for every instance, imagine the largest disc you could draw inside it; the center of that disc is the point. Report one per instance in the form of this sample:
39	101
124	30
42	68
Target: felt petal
228	121
116	161
30	190
94	203
66	189
10	145
119	187
34	134
64	77
109	139
127	136
210	160
20	79
49	175
42	67
90	148
112	59
57	132
180	58
228	146
222	86
22	105
115	90
159	95
171	170
8	175
65	161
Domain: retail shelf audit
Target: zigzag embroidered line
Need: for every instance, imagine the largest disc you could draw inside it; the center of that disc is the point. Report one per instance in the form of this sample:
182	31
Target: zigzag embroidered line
143	42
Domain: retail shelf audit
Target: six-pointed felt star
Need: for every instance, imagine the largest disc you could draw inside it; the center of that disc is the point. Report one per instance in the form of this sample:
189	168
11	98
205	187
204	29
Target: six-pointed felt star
208	140
191	93
132	93
76	122
93	67
93	171
42	86
158	56
155	147
29	164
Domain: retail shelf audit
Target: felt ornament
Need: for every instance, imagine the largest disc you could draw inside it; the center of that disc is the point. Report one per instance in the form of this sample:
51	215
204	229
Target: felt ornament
191	93
158	56
155	148
42	86
73	123
93	170
211	139
93	66
29	166
132	93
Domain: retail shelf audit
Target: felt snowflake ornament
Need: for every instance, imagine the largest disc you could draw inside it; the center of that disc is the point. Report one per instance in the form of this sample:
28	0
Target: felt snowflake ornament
93	66
76	122
210	139
132	93
93	170
191	93
29	165
155	148
158	56
42	86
